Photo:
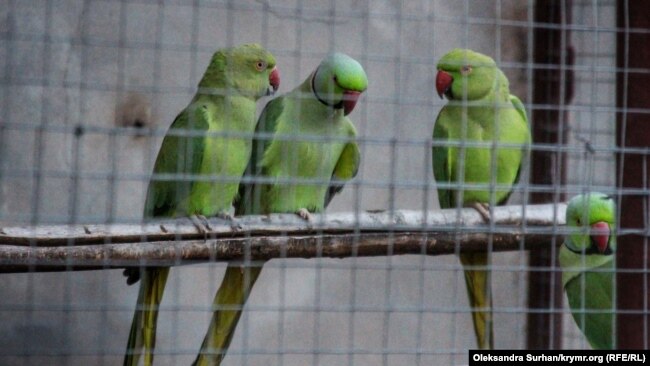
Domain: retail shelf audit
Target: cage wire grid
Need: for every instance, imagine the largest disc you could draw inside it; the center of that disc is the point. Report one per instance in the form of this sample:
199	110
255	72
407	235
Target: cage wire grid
90	88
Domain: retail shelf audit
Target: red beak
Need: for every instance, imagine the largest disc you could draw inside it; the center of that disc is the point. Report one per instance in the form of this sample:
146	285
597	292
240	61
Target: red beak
600	235
349	101
443	82
274	79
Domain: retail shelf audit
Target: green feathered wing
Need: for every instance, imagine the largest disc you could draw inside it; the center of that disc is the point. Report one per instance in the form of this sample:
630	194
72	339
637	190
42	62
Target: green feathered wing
194	149
289	117
164	199
590	298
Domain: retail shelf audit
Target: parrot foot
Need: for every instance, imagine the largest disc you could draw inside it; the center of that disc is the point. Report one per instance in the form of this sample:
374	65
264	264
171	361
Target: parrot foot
201	224
483	209
225	216
234	226
304	214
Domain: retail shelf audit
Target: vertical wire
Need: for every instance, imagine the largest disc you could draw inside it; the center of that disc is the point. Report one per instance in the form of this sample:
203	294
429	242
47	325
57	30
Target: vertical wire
78	133
594	84
194	80
523	266
151	151
584	189
282	268
493	184
588	159
247	261
300	53
615	267
6	97
319	261
623	112
112	191
74	201
358	195
171	281
460	187
8	79
219	177
38	165
44	123
389	253
422	260
564	42
644	213
392	184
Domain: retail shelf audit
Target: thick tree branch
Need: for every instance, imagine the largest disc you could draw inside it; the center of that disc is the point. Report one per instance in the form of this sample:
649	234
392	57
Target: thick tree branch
258	238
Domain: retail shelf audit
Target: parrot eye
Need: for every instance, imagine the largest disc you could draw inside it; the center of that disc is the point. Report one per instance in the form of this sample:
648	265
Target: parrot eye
260	65
465	70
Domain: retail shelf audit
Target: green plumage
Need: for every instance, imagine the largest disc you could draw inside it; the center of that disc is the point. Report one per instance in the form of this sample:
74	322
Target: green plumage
480	110
588	274
198	167
305	146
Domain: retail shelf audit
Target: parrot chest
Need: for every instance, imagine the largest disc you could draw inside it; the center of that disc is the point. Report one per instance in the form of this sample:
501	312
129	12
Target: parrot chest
484	159
302	163
227	150
588	283
590	297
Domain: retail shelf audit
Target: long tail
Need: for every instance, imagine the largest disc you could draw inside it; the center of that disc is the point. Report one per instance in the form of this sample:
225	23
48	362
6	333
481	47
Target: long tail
480	297
143	328
233	293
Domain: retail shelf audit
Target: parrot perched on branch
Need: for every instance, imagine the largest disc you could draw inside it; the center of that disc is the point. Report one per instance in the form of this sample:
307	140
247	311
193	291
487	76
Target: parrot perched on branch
587	261
480	110
195	150
304	151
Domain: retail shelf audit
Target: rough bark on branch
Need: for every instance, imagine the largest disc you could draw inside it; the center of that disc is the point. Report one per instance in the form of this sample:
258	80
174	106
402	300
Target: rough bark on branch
258	238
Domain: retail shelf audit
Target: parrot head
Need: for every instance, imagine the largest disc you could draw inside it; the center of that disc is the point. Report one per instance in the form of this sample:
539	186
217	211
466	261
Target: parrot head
467	75
594	213
247	70
338	82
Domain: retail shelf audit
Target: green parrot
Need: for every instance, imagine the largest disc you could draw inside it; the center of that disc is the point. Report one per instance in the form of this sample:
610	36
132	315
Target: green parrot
480	110
304	151
196	149
587	261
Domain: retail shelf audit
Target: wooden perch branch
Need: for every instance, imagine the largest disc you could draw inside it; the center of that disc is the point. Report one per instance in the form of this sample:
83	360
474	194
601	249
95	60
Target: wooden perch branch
257	238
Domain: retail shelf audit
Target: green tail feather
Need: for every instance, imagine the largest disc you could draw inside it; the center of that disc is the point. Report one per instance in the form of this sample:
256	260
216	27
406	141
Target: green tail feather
233	293
477	282
142	337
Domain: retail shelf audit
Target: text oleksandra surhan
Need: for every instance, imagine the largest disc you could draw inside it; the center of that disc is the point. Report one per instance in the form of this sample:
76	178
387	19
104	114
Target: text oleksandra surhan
539	358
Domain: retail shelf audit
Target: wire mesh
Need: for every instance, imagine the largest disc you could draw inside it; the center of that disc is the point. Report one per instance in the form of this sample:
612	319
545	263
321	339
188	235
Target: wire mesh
90	88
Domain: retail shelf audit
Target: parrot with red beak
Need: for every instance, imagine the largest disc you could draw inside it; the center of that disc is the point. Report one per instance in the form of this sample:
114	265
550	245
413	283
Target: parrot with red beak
193	151
587	261
488	134
303	153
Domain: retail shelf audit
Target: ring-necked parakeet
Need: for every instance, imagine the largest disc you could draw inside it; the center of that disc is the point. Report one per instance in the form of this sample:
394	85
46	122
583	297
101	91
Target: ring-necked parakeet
480	110
193	152
305	146
587	261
